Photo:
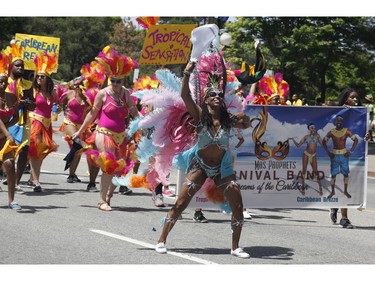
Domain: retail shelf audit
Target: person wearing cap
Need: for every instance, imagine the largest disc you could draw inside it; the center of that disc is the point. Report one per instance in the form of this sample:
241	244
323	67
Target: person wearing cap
112	107
370	104
8	117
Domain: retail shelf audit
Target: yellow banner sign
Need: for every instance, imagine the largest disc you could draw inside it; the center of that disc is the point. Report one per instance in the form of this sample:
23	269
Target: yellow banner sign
167	44
32	44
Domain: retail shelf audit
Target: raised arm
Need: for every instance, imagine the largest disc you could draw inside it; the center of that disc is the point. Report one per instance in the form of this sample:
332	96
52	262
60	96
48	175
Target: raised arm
194	110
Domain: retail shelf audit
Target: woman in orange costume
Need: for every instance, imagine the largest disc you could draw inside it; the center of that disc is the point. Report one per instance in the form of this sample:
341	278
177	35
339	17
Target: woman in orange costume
112	107
41	142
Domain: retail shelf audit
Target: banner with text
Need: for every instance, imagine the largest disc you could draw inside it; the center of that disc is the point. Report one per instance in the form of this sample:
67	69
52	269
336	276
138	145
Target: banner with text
282	163
167	44
32	44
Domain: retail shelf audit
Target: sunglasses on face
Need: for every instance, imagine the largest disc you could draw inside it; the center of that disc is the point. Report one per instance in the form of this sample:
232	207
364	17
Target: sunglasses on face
40	77
116	81
213	94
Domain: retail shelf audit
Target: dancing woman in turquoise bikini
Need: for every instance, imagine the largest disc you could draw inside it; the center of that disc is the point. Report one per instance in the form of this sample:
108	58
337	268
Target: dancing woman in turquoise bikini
210	157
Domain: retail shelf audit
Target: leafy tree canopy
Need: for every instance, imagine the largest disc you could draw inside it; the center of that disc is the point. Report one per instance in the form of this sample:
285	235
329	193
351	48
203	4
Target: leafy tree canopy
319	56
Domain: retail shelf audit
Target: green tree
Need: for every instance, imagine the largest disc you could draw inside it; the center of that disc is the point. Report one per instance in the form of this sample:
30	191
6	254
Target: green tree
128	40
317	55
8	27
81	38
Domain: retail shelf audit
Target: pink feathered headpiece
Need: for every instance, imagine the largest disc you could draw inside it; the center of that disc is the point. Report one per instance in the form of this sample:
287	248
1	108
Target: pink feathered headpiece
210	73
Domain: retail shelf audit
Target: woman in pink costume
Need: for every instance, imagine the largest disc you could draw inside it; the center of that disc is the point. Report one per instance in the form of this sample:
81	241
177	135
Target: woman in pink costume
77	105
112	107
41	143
8	111
78	102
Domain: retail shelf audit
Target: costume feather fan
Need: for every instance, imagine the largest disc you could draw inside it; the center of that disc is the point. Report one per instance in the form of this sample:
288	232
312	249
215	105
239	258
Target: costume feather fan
172	131
169	80
146	150
133	126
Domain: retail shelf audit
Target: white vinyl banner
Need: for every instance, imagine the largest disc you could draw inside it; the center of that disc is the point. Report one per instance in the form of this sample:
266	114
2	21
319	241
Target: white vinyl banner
300	157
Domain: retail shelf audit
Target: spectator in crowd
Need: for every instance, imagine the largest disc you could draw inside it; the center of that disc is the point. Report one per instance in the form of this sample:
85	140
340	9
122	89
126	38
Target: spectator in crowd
296	100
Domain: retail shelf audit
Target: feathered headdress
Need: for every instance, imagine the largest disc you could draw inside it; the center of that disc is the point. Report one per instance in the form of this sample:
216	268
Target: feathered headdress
210	74
45	63
146	22
145	82
4	64
15	52
116	65
273	85
93	73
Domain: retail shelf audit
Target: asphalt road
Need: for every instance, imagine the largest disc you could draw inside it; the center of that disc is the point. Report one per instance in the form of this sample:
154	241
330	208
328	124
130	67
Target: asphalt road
62	226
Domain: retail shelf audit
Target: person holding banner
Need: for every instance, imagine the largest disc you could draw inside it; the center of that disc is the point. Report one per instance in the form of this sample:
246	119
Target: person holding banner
210	157
340	155
41	142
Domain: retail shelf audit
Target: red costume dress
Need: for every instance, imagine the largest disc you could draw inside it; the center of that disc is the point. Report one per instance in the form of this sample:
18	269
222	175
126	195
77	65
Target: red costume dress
41	143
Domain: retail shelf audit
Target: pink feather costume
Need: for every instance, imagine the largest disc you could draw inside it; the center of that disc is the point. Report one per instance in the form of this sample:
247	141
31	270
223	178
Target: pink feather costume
174	131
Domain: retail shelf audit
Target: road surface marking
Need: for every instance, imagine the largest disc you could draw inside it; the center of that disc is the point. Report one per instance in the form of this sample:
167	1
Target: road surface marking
147	245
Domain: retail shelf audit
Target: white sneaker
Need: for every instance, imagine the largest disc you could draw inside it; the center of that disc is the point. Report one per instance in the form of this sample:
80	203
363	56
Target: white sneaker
239	252
160	248
246	215
159	201
19	190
